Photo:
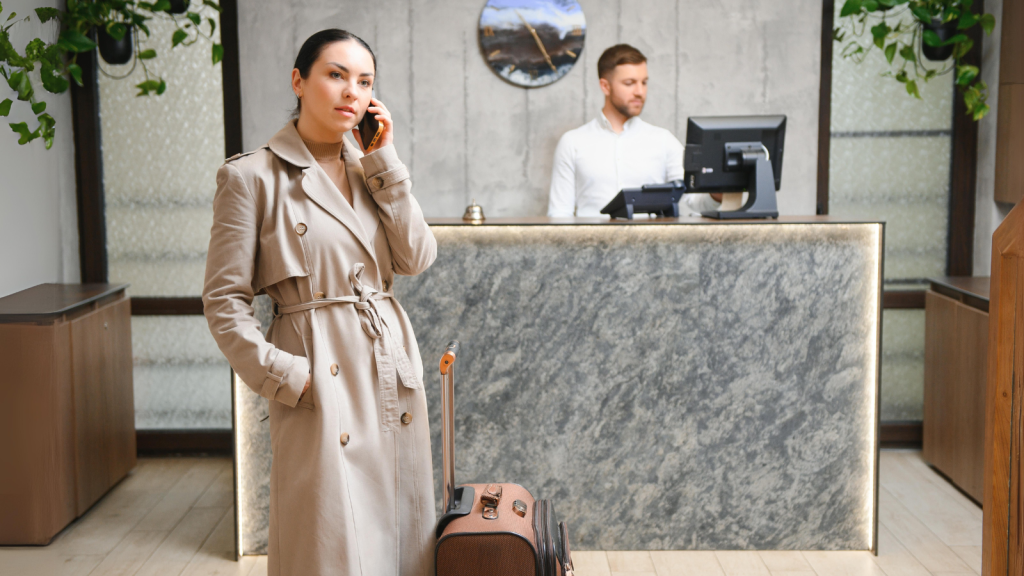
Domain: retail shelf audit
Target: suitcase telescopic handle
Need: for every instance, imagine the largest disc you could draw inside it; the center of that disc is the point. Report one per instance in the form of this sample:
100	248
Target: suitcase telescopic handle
448	422
448	358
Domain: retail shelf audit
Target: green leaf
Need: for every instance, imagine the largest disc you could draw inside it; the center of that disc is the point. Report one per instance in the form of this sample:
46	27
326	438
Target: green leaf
963	48
116	30
22	129
967	20
901	76
922	14
5	107
162	6
76	72
20	83
971	97
46	14
880	30
147	54
53	79
907	53
954	40
195	18
38	107
161	88
11	17
931	73
890	52
979	112
178	37
912	89
850	7
148	86
213	5
870	5
931	38
46	121
75	41
213	25
34	49
988	23
218	53
966	74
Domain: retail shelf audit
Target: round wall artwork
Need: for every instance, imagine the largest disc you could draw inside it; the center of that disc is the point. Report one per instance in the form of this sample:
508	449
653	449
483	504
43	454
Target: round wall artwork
532	43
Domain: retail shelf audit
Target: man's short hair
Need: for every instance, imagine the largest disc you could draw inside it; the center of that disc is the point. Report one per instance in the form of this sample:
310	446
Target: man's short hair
618	55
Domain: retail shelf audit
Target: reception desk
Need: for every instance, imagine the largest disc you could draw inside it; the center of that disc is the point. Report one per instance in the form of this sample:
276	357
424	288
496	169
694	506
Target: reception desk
682	384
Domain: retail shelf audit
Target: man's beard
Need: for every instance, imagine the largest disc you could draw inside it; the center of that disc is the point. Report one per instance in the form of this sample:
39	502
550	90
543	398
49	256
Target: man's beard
624	109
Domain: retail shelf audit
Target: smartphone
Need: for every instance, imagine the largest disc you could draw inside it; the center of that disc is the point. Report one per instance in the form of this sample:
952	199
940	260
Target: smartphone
370	129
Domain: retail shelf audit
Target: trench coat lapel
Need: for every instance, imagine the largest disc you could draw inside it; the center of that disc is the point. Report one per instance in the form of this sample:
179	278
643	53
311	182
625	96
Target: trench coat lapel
288	145
364	205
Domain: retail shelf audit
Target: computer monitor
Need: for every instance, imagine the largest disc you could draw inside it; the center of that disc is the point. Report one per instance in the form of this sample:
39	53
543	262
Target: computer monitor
736	153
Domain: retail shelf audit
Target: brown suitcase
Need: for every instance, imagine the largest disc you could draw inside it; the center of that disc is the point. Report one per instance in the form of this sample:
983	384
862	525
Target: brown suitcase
492	529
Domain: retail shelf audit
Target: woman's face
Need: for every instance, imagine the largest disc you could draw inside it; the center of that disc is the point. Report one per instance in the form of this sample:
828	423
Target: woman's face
337	91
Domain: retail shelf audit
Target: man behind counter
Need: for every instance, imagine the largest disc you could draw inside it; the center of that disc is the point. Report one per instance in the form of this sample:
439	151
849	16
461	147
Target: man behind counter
617	149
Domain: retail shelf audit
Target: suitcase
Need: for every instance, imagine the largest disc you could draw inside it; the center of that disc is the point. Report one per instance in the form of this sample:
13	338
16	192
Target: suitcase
492	529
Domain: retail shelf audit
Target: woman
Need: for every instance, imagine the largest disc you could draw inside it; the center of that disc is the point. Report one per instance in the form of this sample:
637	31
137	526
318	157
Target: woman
322	229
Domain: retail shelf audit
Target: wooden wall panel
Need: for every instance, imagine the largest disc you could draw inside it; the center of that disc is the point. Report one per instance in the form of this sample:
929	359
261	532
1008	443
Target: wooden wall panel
1009	186
1001	542
1009	177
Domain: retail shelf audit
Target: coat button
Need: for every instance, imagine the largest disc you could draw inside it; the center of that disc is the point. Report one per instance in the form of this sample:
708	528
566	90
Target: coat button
318	296
334	369
406	417
344	438
379	181
300	229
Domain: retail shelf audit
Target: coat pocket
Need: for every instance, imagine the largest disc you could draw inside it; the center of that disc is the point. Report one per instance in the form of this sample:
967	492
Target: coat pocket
305	335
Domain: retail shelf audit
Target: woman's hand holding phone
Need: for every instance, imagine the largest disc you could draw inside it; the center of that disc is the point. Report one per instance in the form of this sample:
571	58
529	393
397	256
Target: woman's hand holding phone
381	113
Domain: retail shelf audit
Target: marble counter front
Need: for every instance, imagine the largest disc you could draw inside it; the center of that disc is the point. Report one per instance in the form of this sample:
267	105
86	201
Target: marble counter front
671	384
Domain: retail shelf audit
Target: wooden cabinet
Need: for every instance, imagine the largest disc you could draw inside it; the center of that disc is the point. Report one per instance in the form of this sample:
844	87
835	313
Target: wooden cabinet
956	356
67	422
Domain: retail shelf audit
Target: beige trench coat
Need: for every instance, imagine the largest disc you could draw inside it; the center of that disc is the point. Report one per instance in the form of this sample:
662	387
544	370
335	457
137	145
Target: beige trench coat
351	485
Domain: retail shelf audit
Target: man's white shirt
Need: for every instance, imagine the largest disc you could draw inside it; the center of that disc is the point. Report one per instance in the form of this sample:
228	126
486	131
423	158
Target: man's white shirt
592	163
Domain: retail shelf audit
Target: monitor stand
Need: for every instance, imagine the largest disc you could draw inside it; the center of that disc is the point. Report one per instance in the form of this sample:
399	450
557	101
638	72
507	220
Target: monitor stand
760	187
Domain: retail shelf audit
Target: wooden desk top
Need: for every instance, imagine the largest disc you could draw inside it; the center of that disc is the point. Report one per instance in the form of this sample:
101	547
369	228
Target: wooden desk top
976	286
48	301
602	221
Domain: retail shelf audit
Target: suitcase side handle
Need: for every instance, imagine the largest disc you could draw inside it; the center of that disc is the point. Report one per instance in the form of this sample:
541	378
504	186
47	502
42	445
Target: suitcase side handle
448	358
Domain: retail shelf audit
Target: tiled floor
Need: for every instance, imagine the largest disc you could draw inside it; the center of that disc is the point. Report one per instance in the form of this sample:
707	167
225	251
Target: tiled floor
174	516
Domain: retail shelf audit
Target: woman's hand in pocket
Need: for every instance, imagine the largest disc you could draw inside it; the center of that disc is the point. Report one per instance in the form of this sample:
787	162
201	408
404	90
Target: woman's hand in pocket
306	387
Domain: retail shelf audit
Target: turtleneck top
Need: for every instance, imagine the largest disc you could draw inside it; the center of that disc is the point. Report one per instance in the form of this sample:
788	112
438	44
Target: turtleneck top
328	156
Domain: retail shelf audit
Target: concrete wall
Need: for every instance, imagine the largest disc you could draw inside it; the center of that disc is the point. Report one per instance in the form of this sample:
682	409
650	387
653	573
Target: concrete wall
988	213
467	134
38	214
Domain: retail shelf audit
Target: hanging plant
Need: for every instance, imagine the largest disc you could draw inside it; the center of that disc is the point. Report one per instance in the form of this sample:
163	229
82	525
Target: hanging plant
116	25
936	31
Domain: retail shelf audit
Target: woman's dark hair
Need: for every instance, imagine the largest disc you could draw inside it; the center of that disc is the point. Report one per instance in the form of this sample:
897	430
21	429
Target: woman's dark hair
314	46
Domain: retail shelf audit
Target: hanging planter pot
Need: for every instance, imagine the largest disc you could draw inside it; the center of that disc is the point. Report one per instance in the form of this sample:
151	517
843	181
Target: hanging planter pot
944	31
114	51
178	6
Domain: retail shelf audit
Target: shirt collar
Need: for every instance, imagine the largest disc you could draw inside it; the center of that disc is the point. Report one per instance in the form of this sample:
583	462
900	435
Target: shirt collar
626	126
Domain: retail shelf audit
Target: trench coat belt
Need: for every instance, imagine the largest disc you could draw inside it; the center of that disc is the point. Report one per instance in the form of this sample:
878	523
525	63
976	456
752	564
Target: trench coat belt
391	358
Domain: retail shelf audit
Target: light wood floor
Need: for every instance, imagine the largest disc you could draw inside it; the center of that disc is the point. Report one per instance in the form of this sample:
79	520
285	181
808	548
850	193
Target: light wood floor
174	516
